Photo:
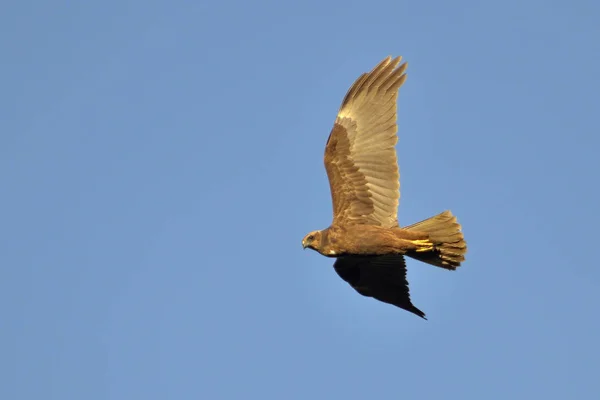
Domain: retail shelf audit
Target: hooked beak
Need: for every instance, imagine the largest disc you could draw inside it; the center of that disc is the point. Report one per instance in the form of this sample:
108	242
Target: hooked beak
304	245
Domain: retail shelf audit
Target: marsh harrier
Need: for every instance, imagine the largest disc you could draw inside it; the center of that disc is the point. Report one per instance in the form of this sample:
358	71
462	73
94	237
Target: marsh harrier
360	159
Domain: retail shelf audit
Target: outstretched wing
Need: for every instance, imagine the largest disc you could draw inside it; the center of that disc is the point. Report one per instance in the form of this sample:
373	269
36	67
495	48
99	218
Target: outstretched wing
360	156
380	277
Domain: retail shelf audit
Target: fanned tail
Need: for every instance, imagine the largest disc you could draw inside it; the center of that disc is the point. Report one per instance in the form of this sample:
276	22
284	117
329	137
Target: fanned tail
449	244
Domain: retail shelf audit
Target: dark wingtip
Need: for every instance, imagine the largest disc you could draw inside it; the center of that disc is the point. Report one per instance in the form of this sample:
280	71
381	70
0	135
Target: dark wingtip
418	312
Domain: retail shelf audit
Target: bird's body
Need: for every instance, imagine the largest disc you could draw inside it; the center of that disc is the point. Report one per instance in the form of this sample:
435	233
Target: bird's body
370	240
360	159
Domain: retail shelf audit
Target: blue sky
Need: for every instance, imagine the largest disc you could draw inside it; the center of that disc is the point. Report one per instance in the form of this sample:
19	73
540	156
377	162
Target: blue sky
161	161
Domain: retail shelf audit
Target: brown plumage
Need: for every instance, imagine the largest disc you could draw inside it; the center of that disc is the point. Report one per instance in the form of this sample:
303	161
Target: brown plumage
361	164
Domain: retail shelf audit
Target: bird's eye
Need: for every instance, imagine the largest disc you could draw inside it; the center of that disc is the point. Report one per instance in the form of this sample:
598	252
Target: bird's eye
311	238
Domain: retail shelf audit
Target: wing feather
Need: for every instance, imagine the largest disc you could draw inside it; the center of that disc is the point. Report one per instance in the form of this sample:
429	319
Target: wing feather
360	156
380	277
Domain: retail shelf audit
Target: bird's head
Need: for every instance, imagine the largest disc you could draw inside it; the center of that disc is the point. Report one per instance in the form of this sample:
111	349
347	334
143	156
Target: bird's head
312	240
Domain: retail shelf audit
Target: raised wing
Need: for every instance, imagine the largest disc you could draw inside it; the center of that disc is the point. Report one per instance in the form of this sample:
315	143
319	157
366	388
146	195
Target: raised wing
380	277
360	156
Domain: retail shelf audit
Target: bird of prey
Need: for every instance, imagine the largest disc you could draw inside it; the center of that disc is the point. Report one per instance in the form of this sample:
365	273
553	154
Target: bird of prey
360	160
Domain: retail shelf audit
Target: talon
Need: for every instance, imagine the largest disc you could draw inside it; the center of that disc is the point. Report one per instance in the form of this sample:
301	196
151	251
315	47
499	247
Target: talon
423	245
419	242
424	249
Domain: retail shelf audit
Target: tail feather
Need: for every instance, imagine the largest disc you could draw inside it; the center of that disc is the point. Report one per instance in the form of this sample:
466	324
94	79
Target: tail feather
449	244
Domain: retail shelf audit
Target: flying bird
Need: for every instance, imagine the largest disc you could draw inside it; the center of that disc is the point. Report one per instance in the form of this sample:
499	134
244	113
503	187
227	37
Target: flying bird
360	159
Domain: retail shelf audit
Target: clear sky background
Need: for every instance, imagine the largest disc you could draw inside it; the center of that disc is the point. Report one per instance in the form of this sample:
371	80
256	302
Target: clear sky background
160	162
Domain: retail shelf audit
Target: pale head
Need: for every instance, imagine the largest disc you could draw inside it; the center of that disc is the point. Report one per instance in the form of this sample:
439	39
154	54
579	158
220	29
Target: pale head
312	240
